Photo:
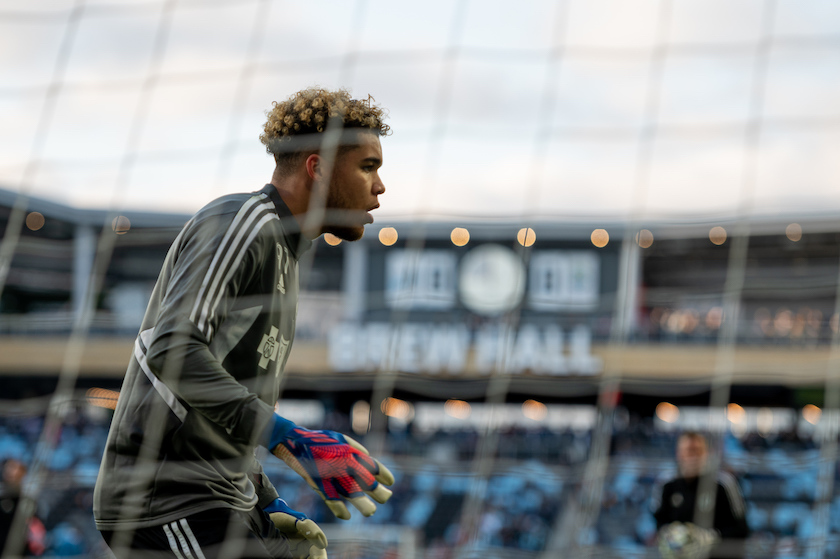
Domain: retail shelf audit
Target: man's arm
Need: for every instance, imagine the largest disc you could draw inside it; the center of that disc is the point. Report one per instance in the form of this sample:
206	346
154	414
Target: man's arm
216	257
185	364
266	492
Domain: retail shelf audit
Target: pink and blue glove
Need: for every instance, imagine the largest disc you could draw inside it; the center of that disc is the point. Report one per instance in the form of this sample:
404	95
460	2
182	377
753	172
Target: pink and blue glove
334	465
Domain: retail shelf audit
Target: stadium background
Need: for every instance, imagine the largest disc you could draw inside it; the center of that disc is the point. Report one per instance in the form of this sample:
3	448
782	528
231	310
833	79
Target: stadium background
654	182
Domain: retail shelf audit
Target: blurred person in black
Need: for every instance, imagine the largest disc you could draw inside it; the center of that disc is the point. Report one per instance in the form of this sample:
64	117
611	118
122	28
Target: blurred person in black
676	505
13	473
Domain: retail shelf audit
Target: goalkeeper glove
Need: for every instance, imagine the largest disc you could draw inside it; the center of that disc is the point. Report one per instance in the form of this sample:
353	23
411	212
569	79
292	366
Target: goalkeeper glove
335	466
680	540
306	539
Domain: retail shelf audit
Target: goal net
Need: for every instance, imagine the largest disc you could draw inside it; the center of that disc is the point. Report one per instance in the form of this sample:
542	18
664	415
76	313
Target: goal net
605	224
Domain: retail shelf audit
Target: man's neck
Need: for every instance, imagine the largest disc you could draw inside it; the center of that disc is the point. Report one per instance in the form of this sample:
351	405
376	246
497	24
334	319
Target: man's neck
296	192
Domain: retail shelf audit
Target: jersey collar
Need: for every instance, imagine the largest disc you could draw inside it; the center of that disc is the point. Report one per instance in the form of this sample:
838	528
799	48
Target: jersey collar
296	242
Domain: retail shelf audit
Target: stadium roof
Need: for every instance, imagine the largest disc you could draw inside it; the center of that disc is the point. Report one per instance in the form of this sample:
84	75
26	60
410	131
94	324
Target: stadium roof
562	227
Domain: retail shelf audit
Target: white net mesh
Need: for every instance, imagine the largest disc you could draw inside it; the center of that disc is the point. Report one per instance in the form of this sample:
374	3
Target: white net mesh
683	148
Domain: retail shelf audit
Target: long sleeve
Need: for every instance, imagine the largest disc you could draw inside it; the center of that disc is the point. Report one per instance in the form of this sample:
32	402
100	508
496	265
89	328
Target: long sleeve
266	492
212	266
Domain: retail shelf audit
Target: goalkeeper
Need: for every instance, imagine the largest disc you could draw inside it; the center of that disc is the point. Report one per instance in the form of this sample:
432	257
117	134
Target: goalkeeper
179	477
676	507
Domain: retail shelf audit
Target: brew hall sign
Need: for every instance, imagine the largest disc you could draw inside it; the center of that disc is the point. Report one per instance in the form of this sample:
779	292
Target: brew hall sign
492	282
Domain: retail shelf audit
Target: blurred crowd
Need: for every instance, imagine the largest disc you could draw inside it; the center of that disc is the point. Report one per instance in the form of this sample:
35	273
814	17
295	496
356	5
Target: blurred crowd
448	499
763	325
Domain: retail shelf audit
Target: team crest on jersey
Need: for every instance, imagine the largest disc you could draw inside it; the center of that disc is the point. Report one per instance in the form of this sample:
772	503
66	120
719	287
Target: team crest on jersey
283	258
676	500
272	347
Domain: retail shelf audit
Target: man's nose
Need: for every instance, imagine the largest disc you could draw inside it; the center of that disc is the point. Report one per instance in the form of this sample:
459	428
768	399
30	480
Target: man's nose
378	188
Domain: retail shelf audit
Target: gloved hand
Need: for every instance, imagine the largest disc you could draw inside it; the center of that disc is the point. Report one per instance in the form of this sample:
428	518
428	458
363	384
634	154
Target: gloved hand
306	539
686	540
335	466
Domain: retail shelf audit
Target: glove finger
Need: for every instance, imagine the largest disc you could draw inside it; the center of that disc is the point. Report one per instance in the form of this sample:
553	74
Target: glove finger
366	461
284	522
312	532
351	484
316	553
299	547
384	476
338	508
364	504
379	472
380	493
362	480
356	444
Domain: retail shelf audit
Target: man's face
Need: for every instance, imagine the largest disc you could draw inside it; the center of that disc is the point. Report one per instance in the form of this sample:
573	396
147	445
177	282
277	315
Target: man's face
691	456
354	189
13	473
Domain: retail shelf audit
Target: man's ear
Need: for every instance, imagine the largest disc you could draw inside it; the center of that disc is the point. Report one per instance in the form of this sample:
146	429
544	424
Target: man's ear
313	166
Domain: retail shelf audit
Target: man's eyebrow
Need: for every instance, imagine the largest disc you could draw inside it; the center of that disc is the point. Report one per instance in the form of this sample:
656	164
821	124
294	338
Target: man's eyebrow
372	160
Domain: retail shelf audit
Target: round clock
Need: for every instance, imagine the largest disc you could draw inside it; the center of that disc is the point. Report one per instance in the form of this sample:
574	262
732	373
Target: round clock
491	280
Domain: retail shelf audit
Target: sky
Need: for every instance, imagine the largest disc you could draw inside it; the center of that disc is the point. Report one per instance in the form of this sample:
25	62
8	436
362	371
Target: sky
530	109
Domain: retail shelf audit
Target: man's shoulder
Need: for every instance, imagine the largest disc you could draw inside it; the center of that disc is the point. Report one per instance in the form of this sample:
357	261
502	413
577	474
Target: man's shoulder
230	204
251	218
673	482
728	482
680	483
667	477
233	212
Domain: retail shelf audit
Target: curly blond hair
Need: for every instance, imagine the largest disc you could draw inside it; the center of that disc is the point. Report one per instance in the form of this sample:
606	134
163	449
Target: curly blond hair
308	112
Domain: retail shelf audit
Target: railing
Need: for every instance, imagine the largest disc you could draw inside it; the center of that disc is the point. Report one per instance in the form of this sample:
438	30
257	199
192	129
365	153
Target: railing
60	322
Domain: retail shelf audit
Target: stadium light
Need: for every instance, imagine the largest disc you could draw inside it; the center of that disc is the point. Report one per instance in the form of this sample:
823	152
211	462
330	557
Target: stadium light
764	421
360	417
717	235
644	238
458	409
600	238
34	221
811	414
388	236
398	409
459	236
526	236
794	232
534	410
331	239
735	413
667	412
121	225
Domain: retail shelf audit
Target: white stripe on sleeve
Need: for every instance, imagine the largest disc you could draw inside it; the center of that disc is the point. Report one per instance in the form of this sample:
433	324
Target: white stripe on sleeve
238	256
221	252
733	493
176	406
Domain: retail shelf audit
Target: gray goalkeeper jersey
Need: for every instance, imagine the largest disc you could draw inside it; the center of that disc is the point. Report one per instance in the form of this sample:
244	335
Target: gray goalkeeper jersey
200	388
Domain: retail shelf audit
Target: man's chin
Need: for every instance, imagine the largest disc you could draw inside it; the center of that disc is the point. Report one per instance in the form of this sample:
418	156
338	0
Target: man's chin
347	233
